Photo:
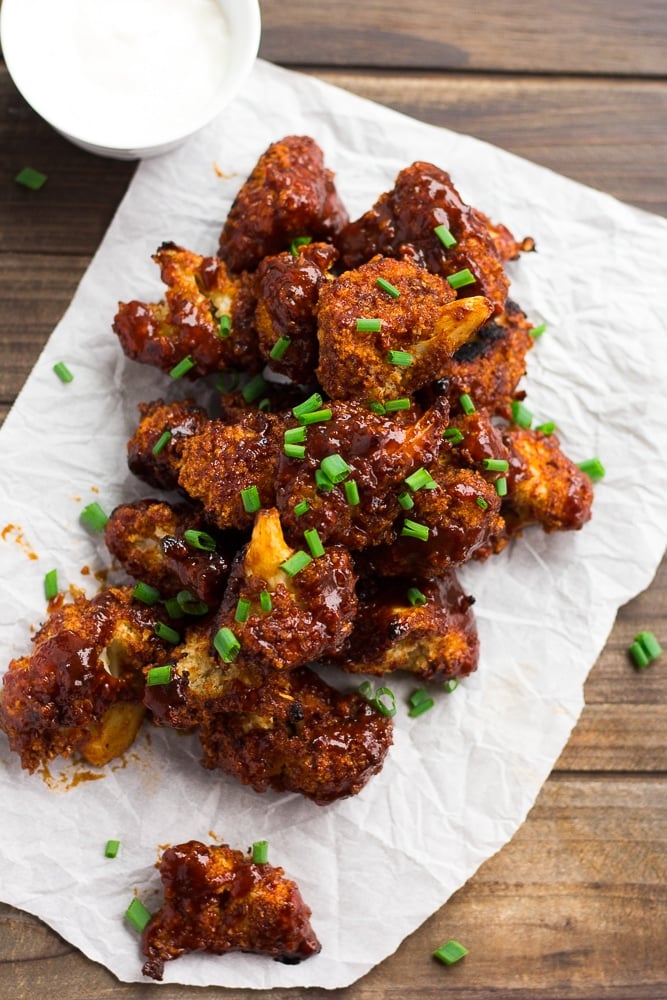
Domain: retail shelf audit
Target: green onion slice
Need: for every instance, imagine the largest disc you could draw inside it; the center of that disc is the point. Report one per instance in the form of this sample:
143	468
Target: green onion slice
495	464
294	450
159	675
301	507
365	689
467	404
378	408
322	481
351	492
450	952
650	644
228	381
279	348
547	428
405	500
173	608
63	372
593	468
293	435
161	443
199	540
420	480
94	517
296	562
501	486
313	402
182	368
225	326
387	286
163	631
537	331
316	417
385	701
265	602
392	405
226	644
521	415
137	914
422	706
481	502
314	542
401	358
111	848
190	604
51	584
461	278
335	468
260	852
453	435
250	499
451	685
242	610
30	178
445	236
299	241
412	529
369	325
254	388
146	594
416	598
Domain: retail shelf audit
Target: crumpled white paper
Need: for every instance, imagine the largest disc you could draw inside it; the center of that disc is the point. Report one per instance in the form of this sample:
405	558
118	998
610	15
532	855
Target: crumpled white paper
460	780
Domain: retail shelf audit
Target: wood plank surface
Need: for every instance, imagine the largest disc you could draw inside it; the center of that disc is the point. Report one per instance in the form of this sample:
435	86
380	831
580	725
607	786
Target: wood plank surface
575	906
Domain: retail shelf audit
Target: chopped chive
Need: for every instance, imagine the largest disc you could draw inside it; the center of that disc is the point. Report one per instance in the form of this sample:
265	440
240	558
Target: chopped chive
260	852
293	435
450	952
537	331
314	542
461	278
250	499
385	701
63	372
445	237
313	402
521	415
294	450
159	675
182	368
242	610
335	468
387	286
378	408
225	326
416	598
417	696
265	602
264	405
593	468
94	517
481	502
137	915
392	405
351	492
402	358
639	655
226	644
301	507
322	481
228	381
189	604
253	389
296	563
30	178
650	644
412	529
163	631
299	241
146	594
451	685
279	348
365	689
547	428
161	443
467	404
422	706
199	540
453	435
173	608
420	480
51	584
501	486
405	500
316	417
111	848
495	464
368	325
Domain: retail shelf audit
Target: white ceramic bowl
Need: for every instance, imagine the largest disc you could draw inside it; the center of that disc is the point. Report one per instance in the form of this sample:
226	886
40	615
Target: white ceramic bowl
129	78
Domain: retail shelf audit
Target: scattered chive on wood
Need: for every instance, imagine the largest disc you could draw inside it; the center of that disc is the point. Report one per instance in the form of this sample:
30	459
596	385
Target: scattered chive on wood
225	326
199	540
242	610
387	286
450	952
253	389
145	593
412	529
182	368
167	633
137	915
250	499
296	562
30	178
593	468
461	278
111	848
280	347
644	650
161	443
401	358
521	415
265	602
94	517
416	598
467	404
51	584
227	645
314	542
335	468
63	372
369	325
159	675
351	492
445	236
260	852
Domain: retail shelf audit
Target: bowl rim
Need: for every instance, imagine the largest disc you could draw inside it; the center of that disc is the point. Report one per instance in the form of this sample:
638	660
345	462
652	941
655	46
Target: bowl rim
248	47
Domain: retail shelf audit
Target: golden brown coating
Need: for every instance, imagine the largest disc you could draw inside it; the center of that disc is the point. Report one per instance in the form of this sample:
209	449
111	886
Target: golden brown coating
490	365
311	611
544	485
425	322
82	676
147	538
217	900
288	288
181	420
433	640
380	452
207	315
289	194
223	459
402	223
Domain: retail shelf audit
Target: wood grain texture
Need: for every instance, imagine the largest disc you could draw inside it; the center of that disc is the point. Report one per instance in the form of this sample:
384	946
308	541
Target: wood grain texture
575	906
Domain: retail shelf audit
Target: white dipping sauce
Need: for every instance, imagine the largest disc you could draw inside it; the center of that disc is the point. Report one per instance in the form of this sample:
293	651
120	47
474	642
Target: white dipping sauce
124	72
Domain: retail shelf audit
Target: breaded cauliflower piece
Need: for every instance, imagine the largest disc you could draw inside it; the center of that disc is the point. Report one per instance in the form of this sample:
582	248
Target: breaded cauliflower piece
181	420
218	900
413	337
289	194
207	315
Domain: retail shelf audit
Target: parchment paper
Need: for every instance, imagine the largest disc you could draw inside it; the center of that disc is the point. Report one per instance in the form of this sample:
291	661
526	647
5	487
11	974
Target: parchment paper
460	779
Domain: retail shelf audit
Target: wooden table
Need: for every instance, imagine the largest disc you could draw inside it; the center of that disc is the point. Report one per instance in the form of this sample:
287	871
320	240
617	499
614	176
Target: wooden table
576	905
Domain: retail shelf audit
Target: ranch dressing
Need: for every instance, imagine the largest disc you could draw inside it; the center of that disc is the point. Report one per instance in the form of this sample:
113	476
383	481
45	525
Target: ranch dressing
126	72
